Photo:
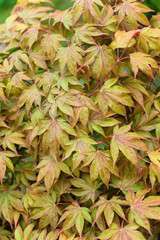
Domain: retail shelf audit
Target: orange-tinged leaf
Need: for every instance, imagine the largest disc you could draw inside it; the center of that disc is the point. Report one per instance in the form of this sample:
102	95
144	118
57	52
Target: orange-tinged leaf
122	233
29	96
109	207
144	62
79	7
141	209
49	170
155	157
69	56
101	165
19	233
126	142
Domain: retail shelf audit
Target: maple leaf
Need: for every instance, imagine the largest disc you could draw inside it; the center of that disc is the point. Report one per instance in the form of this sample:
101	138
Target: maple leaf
113	96
134	10
75	215
85	33
10	200
10	138
17	80
61	187
79	7
128	180
29	96
101	165
50	44
17	58
50	170
144	62
154	172
31	35
64	17
144	124
5	161
116	232
142	209
125	141
46	210
122	39
85	189
33	192
24	173
81	145
46	85
101	58
71	56
137	90
30	14
109	207
39	59
108	20
148	39
97	122
155	157
55	132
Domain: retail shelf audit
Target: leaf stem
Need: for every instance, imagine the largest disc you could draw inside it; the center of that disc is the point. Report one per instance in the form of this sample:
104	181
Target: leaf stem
101	142
118	60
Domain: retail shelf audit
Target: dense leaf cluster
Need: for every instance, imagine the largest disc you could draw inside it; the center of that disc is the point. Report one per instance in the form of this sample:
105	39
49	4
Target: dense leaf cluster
80	122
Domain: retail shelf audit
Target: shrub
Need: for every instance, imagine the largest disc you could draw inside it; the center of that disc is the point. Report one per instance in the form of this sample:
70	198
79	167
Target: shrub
80	122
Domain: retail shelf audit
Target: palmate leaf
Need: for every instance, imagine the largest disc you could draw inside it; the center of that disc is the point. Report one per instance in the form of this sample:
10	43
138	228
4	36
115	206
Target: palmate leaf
155	157
85	34
33	193
114	96
85	189
29	233
154	173
50	170
109	207
69	56
142	209
10	200
128	180
50	44
75	215
17	80
101	165
101	58
149	39
144	62
92	8
137	90
126	142
11	139
64	17
134	10
54	133
31	36
29	96
30	14
5	161
17	58
46	210
122	233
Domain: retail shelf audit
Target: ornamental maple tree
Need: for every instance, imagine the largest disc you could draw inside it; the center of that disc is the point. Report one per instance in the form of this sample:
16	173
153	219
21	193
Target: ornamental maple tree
80	122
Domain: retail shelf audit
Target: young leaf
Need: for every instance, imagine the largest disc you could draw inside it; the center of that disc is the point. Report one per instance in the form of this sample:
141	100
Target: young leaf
144	62
127	232
125	141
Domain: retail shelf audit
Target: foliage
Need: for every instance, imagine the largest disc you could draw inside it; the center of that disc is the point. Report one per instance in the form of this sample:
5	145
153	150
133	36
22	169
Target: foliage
80	122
